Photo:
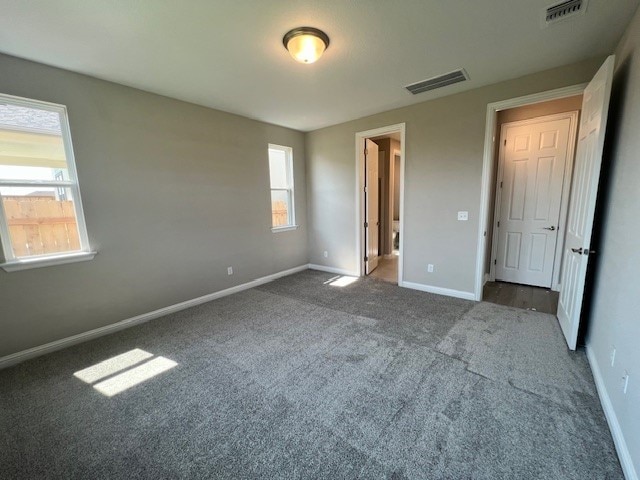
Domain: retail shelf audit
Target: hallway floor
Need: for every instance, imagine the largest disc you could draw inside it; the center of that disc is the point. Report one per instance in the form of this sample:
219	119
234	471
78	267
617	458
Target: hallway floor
521	296
387	270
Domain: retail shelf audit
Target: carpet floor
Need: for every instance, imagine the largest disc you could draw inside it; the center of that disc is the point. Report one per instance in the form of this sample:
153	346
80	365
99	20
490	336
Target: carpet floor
300	378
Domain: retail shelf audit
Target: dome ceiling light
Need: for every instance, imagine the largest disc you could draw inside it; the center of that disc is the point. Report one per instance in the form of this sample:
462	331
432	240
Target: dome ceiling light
306	44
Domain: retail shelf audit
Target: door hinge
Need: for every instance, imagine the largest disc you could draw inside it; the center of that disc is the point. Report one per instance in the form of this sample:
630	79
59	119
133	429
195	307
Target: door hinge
505	141
498	223
495	261
366	259
366	224
500	184
366	152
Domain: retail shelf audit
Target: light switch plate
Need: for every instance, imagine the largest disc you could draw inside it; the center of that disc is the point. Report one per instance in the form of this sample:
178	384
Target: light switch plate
463	216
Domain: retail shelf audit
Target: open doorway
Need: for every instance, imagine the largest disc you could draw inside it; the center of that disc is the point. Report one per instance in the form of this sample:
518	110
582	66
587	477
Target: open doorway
380	163
533	163
584	182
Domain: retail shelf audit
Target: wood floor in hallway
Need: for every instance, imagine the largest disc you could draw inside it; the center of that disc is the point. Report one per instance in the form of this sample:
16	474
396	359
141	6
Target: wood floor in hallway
521	296
387	269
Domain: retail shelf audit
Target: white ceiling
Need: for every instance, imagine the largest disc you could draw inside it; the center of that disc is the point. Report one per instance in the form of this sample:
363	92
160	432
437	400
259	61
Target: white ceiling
228	54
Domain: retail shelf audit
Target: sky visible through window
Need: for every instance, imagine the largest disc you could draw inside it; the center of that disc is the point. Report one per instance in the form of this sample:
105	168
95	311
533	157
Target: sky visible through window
278	168
27	135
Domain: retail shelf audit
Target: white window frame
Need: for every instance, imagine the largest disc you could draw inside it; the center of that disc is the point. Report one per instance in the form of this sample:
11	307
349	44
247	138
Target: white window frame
288	153
13	263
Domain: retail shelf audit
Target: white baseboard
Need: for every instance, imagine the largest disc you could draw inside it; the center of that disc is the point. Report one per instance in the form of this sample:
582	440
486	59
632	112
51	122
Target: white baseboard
616	432
338	271
18	357
439	290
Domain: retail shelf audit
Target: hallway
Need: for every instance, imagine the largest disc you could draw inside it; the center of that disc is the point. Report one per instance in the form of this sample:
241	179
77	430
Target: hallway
521	296
387	270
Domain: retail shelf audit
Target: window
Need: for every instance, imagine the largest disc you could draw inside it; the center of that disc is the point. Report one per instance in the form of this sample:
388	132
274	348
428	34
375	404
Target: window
281	173
41	220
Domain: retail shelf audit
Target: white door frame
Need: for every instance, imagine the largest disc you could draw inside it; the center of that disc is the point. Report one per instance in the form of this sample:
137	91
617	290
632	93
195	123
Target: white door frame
360	213
564	202
487	166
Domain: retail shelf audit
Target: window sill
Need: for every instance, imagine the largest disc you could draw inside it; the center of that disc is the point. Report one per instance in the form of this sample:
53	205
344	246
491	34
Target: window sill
286	228
48	261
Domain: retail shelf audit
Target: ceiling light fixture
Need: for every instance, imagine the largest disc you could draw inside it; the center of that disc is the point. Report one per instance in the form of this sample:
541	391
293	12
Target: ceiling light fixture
306	44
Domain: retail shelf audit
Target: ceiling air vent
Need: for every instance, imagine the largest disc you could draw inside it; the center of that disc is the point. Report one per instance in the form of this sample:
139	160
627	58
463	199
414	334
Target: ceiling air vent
438	82
563	10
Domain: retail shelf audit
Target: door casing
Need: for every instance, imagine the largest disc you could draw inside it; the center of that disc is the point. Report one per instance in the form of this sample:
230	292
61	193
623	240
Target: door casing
360	211
488	168
564	205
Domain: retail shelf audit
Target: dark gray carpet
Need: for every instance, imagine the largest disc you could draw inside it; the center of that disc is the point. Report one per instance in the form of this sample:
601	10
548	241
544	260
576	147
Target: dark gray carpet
301	379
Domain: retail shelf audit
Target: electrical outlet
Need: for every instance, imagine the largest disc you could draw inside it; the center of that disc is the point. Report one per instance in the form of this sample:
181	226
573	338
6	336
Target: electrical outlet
625	382
613	355
229	270
463	216
430	268
326	254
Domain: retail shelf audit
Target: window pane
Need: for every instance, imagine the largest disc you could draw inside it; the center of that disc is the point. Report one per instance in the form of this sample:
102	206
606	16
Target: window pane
41	220
280	207
31	144
278	168
13	172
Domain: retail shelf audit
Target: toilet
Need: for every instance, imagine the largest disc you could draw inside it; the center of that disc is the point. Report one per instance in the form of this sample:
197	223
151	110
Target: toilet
396	234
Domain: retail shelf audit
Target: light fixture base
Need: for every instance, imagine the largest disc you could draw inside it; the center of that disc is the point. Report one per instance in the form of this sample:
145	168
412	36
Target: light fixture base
305	31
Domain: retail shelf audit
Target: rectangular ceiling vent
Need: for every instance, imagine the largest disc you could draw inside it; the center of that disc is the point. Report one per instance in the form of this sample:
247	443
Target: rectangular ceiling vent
563	10
438	82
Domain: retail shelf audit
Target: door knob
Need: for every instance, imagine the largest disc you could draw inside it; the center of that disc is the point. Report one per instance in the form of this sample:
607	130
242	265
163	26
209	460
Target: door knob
552	228
577	250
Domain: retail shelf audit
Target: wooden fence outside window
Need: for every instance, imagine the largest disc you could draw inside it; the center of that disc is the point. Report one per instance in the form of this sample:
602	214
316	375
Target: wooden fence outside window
39	225
279	213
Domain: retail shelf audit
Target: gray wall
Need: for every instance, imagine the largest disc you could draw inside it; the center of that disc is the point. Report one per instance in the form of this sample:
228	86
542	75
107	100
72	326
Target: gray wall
615	308
173	194
443	151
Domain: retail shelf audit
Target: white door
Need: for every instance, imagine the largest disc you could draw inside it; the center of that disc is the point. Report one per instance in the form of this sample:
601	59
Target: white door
533	156
371	205
584	188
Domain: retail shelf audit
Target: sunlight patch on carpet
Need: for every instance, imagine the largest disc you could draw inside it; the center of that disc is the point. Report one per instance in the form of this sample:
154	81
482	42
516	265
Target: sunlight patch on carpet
124	371
343	281
135	376
112	365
